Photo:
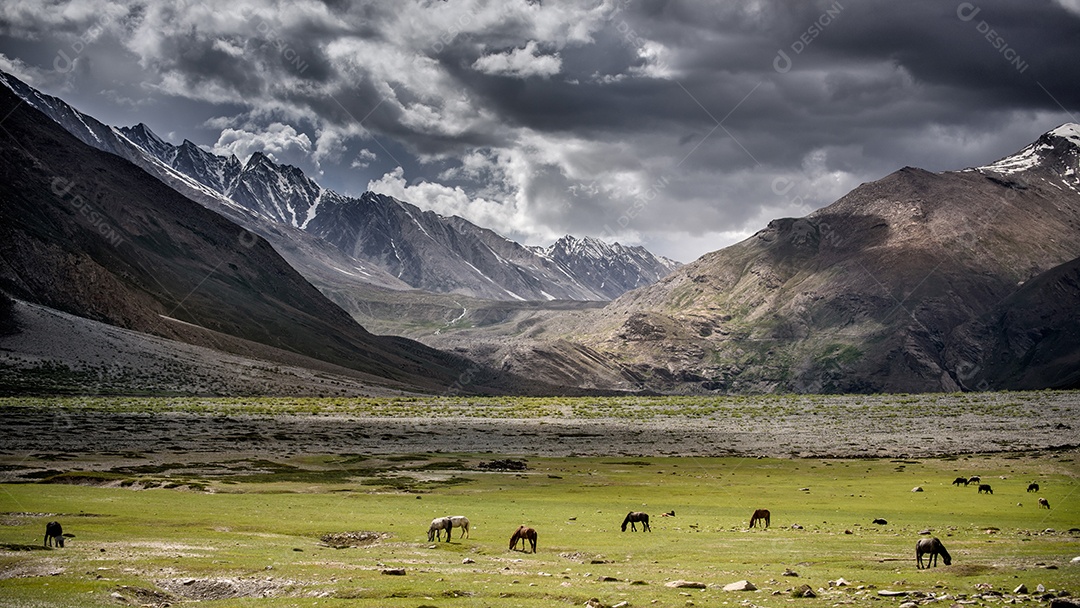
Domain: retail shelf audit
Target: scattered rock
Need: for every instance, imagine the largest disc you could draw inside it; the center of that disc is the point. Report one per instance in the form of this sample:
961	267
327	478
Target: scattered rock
505	464
593	603
803	591
1022	588
804	489
917	489
681	584
909	605
840	582
879	521
848	532
1064	602
468	560
925	532
622	604
790	572
888	593
393	571
742	585
796	527
608	579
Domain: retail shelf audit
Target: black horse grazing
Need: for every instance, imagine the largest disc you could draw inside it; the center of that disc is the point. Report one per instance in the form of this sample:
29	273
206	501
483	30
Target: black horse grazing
54	533
960	480
1033	487
523	533
761	515
636	516
934	547
974	479
985	487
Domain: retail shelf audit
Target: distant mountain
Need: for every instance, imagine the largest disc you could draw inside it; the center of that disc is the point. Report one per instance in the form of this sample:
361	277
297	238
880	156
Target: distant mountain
917	282
421	248
88	233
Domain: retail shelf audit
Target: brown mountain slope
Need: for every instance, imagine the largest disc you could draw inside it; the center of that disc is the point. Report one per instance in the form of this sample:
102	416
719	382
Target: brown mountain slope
88	233
861	296
1030	340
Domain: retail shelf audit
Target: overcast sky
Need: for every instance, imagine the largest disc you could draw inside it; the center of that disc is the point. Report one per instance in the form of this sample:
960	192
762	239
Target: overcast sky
682	126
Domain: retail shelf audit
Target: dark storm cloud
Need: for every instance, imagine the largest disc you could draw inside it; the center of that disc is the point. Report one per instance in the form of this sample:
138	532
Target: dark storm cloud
681	124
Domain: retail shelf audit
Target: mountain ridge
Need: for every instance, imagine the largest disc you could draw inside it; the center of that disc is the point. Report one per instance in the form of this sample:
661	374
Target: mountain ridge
868	294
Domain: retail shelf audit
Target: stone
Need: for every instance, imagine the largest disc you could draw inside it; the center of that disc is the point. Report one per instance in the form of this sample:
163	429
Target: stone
681	584
468	560
917	489
888	593
804	591
1022	588
790	572
840	582
879	521
743	585
394	571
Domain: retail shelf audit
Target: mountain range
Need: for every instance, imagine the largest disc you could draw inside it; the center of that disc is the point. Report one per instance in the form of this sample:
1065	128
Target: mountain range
919	281
374	238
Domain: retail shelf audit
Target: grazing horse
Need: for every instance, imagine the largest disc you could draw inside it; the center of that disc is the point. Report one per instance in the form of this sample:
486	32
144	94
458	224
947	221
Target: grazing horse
934	547
460	521
974	479
1033	487
523	533
437	526
960	480
761	515
636	516
54	533
985	487
1042	503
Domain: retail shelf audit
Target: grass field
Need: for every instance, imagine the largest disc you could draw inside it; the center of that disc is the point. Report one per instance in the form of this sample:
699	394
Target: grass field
320	531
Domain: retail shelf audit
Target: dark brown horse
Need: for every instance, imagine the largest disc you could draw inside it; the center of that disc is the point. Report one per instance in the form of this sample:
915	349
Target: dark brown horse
523	533
934	547
54	533
1033	487
761	515
960	481
636	516
985	487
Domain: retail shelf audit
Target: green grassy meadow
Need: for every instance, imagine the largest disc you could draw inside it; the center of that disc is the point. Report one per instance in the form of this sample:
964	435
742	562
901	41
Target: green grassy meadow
273	534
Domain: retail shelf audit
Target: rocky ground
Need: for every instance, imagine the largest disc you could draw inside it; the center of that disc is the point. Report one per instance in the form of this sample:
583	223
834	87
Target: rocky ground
847	427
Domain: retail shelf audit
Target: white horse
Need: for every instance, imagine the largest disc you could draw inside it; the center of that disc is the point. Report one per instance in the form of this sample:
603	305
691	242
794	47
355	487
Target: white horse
437	526
460	521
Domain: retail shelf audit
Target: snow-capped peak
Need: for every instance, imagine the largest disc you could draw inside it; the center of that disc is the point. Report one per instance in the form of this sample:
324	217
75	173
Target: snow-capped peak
1069	131
1034	154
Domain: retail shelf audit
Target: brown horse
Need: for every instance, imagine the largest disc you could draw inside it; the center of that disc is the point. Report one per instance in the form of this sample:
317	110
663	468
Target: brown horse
523	533
761	515
934	547
636	516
